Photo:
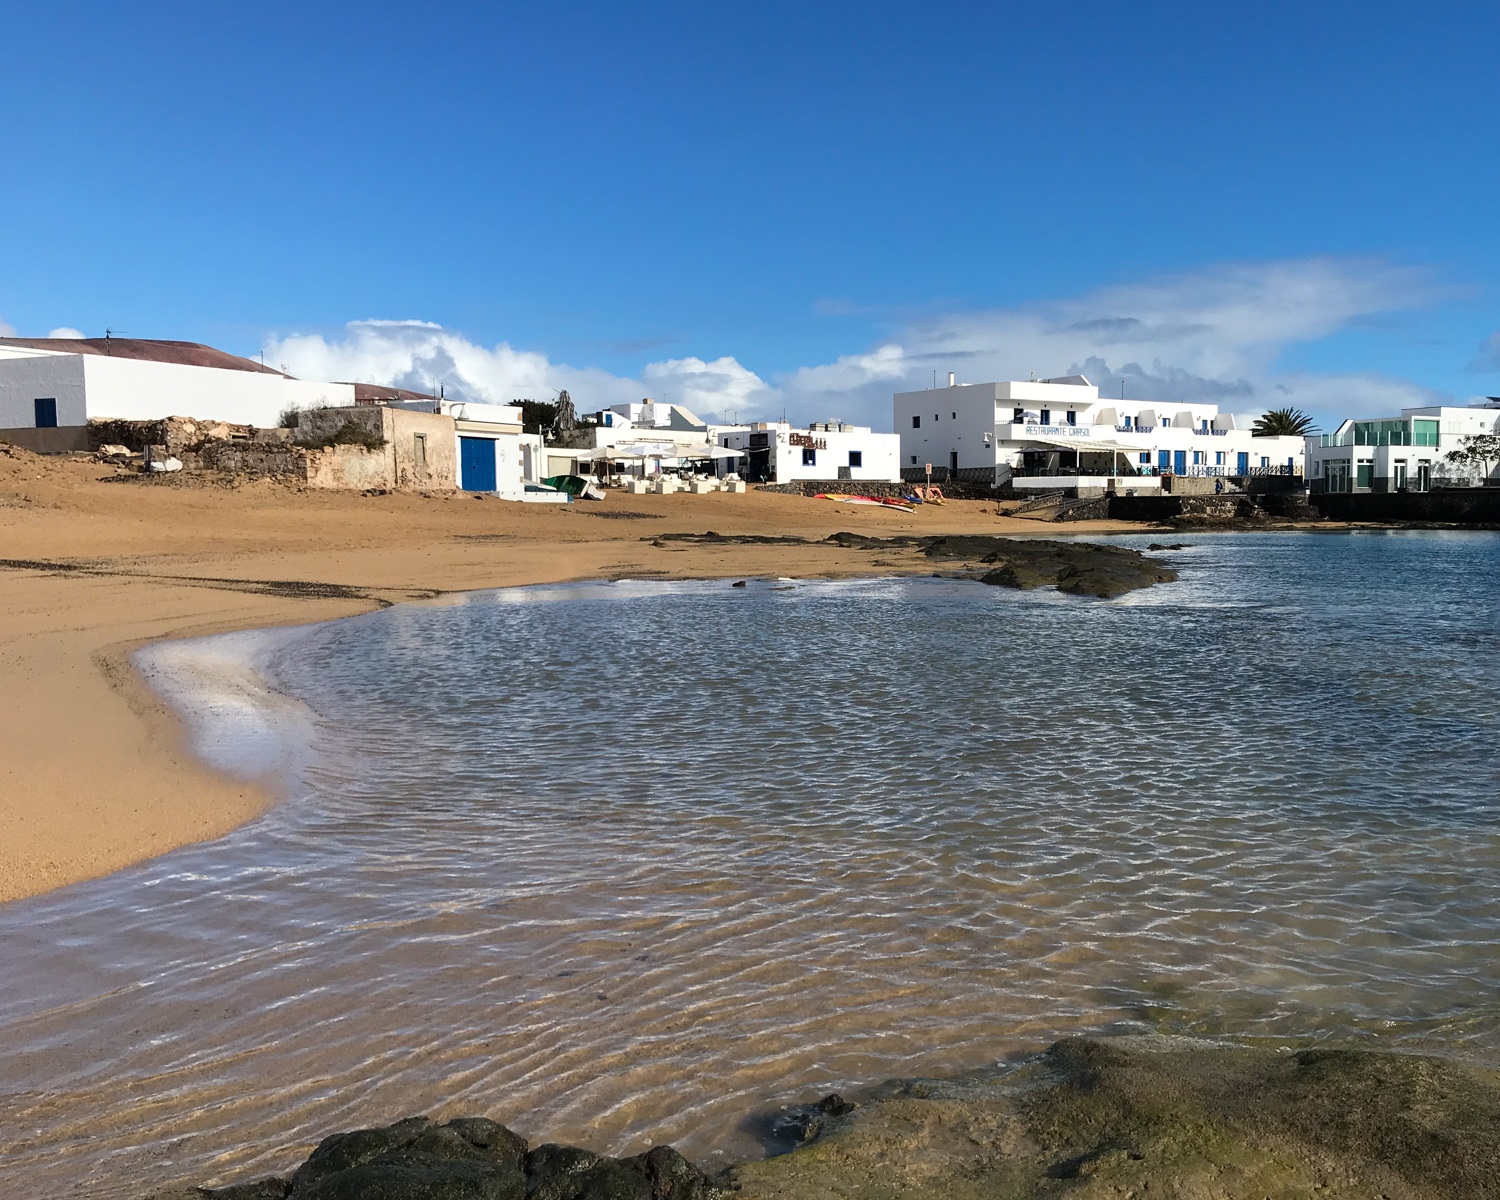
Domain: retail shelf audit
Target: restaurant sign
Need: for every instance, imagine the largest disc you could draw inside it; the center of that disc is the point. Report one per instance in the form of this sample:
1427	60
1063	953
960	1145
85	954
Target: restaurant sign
808	442
1059	431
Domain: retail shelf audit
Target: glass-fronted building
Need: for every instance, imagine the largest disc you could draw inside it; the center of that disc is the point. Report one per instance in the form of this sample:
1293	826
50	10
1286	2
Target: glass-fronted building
1398	454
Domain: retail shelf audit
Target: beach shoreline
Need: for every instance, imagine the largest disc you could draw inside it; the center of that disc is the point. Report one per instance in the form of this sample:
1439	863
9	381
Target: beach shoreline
99	775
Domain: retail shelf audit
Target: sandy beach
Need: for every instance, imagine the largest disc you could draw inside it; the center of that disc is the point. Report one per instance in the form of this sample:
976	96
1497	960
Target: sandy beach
95	773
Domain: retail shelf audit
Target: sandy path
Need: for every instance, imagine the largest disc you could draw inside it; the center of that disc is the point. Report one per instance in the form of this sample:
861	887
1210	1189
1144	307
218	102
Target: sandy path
93	771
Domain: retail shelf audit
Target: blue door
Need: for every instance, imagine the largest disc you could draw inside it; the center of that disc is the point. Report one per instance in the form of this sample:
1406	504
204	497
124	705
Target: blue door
476	463
1244	464
1179	462
1163	461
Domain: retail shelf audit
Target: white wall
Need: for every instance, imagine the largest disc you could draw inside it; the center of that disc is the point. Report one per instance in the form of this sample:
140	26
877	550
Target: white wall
511	456
879	451
957	420
27	378
147	391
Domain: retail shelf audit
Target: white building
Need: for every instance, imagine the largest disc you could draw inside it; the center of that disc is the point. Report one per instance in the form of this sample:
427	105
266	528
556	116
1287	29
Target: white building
1399	454
63	383
646	436
825	453
493	454
1059	433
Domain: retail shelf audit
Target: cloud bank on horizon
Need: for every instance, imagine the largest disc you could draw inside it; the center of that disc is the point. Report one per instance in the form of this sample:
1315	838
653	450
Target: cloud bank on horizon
1215	335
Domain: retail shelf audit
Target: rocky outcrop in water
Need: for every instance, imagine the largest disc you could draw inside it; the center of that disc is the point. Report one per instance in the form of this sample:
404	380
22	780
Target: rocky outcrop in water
1077	568
1161	1117
468	1159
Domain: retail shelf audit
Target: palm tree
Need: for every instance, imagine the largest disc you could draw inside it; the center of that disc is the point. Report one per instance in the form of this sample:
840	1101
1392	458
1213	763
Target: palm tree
1282	422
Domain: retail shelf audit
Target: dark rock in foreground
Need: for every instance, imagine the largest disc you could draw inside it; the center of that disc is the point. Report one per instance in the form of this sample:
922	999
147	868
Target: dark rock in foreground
468	1159
1146	1117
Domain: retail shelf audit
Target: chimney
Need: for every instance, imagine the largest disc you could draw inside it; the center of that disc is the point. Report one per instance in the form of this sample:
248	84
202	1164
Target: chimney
952	379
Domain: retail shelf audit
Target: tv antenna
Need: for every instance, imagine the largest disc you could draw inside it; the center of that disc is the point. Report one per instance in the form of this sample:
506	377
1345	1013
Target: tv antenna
108	334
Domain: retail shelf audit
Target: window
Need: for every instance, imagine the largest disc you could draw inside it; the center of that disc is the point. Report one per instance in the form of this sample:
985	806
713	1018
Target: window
1045	418
1197	458
1072	417
809	457
856	458
1017	416
1218	458
46	413
1205	425
419	449
1146	457
913	460
1129	420
916	420
934	416
1362	473
1265	462
955	416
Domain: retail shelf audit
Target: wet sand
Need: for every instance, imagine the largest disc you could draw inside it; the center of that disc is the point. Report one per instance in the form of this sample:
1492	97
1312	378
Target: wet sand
95	774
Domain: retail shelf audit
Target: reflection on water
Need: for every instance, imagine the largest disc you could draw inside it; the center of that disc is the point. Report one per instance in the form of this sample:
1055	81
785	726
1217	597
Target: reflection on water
624	862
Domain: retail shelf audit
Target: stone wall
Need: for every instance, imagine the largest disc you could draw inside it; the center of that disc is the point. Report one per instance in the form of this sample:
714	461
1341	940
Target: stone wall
1166	508
1463	506
374	446
178	436
273	459
347	468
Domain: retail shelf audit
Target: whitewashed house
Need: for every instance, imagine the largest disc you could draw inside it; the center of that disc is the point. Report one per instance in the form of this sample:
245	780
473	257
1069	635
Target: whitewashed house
1060	433
50	388
1399	454
645	436
830	452
494	454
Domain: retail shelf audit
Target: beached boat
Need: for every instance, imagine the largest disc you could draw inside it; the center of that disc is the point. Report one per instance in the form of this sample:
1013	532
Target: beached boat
878	501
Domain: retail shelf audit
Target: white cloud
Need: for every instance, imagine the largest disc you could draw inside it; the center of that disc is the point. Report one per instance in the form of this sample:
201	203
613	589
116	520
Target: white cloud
1218	335
421	356
1214	335
712	389
6	330
67	331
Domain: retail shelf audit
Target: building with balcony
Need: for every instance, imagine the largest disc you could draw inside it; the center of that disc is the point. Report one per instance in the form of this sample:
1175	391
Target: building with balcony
1399	454
1059	433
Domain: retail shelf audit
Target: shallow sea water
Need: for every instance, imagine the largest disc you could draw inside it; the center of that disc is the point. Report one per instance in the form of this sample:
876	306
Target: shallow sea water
624	863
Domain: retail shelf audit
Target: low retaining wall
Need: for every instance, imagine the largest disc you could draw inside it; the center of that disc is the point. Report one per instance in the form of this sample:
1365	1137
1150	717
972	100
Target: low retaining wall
63	439
1165	508
1466	506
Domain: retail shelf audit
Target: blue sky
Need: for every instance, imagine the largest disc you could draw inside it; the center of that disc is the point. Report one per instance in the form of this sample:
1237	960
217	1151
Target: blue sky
773	206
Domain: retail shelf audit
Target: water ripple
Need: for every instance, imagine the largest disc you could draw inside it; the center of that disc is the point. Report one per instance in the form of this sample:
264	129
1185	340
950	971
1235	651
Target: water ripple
621	863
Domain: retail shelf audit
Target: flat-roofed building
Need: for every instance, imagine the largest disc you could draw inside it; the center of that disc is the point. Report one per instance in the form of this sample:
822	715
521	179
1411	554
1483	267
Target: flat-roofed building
50	388
1060	433
1408	453
827	452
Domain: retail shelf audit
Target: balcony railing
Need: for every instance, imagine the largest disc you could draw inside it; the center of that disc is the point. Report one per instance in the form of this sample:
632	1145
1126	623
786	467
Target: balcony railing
1072	472
1135	428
